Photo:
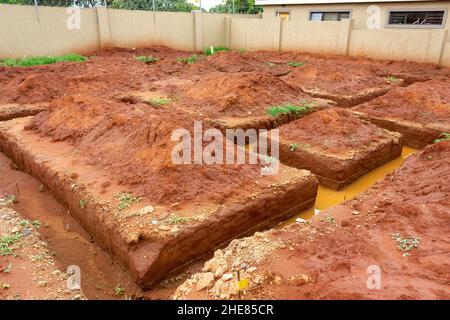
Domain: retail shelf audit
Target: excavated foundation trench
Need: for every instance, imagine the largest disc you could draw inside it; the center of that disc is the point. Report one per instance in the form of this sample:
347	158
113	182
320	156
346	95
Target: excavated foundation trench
72	244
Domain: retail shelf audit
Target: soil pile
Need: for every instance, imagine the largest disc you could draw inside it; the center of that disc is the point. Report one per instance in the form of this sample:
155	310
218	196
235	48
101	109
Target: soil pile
424	103
398	230
134	143
333	130
238	94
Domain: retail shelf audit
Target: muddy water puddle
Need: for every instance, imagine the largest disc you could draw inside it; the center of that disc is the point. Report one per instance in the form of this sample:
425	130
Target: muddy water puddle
327	198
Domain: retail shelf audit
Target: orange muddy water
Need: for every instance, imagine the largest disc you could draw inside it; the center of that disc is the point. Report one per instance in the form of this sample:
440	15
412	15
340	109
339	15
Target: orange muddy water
327	198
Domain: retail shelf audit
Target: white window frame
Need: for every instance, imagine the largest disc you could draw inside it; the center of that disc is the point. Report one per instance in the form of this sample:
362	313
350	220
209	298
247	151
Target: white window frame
350	11
416	26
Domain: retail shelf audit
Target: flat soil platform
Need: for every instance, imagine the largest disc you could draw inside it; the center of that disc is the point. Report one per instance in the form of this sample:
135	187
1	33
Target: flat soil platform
389	243
421	111
337	146
147	231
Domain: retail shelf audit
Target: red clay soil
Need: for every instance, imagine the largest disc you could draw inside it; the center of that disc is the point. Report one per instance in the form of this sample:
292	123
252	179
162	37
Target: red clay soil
237	94
134	142
126	148
337	146
104	74
346	83
422	107
337	254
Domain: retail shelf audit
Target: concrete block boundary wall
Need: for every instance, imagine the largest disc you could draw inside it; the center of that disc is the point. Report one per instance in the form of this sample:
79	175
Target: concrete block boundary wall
25	31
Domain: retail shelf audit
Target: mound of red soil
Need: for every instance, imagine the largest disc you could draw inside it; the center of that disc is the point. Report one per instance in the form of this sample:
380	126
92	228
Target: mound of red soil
231	61
354	250
104	74
334	131
345	82
337	146
238	94
421	111
424	103
134	143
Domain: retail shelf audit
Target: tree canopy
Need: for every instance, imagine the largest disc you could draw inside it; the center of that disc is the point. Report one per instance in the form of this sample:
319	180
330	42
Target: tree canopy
240	6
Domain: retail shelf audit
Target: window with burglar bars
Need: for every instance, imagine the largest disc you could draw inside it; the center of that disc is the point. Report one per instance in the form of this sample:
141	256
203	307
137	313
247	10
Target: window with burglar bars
435	18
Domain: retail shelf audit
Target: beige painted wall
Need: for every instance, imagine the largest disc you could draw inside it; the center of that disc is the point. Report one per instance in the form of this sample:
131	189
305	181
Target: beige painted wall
255	34
358	10
328	38
134	29
21	34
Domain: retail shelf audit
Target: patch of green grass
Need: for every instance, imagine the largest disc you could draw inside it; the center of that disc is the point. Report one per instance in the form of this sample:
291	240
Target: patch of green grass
443	137
8	244
83	203
38	61
189	60
212	50
392	79
286	109
23	223
36	224
119	290
293	147
176	219
296	64
406	244
158	102
126	200
147	59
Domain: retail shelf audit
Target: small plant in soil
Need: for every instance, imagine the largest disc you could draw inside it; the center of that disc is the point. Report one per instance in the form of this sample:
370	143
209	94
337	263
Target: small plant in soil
287	109
8	244
443	137
119	291
296	64
147	59
392	79
158	102
271	64
83	203
212	50
37	61
406	244
126	200
189	60
293	147
36	224
174	219
23	223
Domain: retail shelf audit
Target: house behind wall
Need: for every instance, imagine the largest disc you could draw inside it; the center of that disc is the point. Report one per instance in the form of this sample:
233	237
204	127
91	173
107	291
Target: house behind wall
358	11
